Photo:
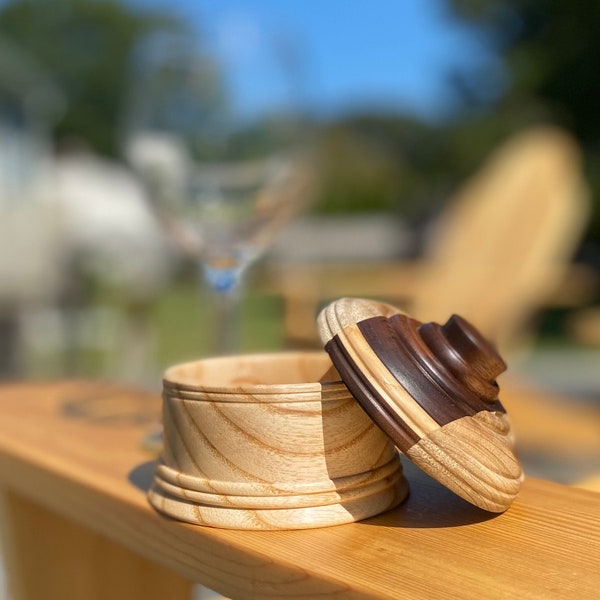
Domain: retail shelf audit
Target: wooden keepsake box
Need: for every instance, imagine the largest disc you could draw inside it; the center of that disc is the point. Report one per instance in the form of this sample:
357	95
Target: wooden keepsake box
273	441
432	388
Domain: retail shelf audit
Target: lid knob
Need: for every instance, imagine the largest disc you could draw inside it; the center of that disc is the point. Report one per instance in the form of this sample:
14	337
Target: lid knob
469	357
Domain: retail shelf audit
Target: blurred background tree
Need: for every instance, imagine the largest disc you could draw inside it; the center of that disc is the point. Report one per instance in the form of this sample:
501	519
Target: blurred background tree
550	53
547	54
379	162
547	71
85	47
539	61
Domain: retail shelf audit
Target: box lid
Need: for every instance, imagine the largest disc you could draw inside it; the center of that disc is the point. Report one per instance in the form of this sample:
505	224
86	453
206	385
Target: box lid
432	388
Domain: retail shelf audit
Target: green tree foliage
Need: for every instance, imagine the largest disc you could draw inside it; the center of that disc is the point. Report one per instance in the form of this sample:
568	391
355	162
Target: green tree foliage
383	163
85	46
551	52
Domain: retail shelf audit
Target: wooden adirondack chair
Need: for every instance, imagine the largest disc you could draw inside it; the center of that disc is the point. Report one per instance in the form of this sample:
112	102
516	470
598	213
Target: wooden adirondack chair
499	252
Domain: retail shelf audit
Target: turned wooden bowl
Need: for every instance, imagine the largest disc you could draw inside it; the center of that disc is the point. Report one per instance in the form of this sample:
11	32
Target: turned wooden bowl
270	441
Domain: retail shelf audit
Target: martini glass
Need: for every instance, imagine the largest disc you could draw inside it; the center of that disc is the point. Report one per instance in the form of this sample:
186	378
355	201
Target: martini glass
226	166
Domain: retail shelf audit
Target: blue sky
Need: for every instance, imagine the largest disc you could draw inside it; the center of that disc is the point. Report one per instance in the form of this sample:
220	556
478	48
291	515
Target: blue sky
382	54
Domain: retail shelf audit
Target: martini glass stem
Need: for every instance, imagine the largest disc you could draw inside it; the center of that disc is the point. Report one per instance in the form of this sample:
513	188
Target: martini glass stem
224	284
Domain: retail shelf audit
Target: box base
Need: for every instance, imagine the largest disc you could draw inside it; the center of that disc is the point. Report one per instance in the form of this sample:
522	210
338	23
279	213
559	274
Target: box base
298	511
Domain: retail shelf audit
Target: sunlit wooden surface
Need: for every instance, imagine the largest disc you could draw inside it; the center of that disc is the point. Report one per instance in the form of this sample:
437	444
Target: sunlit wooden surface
73	450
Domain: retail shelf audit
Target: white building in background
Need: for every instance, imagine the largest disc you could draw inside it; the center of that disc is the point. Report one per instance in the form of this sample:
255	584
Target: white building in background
61	215
29	242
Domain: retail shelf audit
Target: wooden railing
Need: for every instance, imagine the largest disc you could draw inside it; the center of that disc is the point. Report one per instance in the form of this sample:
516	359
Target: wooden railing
77	524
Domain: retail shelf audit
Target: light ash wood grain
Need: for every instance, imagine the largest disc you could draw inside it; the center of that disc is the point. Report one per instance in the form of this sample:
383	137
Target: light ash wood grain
347	311
53	558
259	442
434	545
473	457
